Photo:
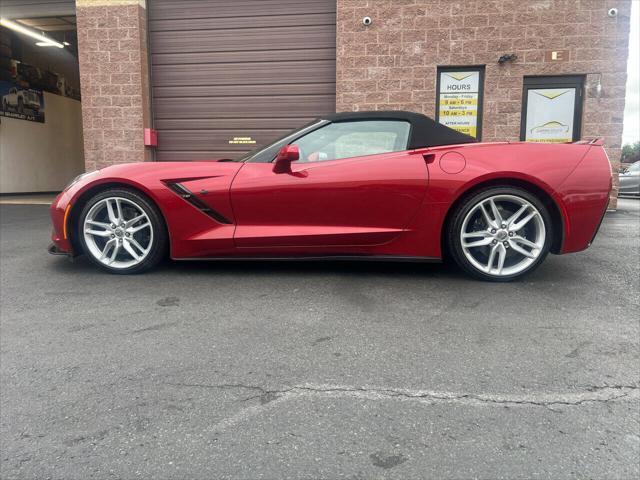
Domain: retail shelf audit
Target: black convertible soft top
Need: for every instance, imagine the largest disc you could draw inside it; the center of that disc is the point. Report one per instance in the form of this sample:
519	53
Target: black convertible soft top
425	132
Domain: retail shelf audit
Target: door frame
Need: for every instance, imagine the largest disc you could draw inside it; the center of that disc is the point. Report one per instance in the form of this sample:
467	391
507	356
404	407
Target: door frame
555	81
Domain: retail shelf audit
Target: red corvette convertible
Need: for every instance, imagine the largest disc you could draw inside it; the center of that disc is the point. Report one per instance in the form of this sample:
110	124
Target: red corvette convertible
365	185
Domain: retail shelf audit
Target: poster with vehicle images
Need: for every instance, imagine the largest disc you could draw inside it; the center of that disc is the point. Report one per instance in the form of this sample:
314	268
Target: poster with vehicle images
550	114
458	100
21	103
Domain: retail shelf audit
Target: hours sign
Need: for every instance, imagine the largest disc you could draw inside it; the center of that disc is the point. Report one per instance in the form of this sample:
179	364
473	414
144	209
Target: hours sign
459	96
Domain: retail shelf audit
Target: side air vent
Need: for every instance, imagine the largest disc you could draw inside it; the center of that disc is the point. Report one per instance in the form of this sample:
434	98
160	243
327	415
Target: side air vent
188	195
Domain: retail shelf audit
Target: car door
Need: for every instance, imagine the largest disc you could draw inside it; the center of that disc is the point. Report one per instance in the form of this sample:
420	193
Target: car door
354	185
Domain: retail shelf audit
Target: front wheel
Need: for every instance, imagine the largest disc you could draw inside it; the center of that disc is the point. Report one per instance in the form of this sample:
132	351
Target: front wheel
500	234
122	232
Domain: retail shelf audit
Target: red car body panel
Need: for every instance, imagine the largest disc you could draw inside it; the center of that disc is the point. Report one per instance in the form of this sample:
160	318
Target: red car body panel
357	202
393	204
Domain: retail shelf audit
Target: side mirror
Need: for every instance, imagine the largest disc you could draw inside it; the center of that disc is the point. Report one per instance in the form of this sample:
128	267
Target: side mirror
286	155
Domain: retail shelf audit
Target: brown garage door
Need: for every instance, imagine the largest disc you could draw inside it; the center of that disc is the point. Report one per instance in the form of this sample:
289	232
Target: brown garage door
232	69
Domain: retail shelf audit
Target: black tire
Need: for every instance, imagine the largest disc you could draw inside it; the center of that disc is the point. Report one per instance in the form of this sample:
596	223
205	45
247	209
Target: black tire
453	232
20	106
159	248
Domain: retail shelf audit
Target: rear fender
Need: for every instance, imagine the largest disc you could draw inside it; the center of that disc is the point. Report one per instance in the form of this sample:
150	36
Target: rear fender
544	166
585	195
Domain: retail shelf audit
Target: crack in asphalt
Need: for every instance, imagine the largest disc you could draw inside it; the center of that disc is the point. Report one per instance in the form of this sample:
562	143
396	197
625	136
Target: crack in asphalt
593	393
268	398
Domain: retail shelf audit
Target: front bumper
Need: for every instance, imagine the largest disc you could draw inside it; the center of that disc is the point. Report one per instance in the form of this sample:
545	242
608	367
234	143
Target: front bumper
61	243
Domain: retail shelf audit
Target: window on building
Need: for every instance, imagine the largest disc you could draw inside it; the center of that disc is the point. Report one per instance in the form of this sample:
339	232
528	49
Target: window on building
552	109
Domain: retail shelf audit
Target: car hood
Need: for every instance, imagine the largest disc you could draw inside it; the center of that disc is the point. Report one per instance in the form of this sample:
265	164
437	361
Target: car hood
150	175
167	170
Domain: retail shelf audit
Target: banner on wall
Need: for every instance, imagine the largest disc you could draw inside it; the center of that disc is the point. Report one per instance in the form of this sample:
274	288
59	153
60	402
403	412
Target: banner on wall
21	103
459	96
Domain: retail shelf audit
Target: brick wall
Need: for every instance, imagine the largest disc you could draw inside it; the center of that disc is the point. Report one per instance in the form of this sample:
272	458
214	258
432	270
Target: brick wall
392	63
114	80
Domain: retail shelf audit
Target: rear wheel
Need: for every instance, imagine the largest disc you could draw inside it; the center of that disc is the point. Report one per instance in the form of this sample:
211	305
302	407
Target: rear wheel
500	234
122	232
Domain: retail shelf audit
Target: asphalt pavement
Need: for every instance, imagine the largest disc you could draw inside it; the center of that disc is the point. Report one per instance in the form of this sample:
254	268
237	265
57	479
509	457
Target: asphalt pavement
329	370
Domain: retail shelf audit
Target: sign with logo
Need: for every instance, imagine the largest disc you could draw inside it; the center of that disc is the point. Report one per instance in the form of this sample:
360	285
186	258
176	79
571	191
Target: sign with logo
242	141
21	103
460	99
550	114
552	108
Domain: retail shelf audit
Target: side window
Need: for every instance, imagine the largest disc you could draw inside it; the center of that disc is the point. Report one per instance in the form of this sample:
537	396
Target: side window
353	139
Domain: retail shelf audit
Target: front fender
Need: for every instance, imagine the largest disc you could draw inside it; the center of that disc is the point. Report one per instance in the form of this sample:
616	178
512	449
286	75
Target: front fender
66	205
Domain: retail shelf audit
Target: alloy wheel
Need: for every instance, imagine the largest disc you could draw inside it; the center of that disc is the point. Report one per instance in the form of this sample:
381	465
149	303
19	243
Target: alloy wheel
503	235
118	232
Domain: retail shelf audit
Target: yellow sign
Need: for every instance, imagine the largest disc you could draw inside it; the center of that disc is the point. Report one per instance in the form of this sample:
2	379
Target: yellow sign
458	101
242	141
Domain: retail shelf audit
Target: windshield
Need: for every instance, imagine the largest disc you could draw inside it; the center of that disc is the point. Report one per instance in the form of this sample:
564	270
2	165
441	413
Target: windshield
265	154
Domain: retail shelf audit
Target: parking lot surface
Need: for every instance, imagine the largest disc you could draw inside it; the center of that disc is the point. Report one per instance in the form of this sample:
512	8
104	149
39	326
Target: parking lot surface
329	370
